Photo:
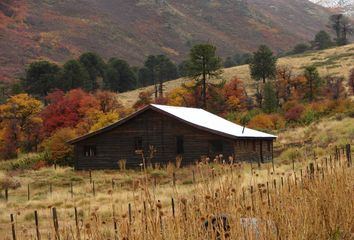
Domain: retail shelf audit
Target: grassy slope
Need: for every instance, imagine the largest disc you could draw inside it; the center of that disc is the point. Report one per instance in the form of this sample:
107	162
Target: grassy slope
334	61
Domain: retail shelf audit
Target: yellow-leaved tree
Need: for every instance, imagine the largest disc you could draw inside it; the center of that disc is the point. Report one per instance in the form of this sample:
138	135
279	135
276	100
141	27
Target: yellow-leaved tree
105	119
57	146
19	117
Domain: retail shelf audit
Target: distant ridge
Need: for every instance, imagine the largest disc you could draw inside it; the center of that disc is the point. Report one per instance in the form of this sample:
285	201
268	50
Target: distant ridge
132	29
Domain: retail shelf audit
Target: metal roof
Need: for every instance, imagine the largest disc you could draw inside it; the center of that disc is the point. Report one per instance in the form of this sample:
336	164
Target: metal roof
207	120
195	117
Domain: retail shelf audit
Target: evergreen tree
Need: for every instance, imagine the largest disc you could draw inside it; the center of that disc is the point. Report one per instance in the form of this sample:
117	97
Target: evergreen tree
270	104
166	70
95	67
204	64
229	62
343	28
322	40
313	81
144	77
74	75
241	59
161	69
183	68
41	77
263	64
119	76
151	64
300	48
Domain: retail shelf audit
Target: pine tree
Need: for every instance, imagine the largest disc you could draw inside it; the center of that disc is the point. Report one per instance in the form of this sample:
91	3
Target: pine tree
204	64
270	104
313	81
41	77
322	40
95	67
263	64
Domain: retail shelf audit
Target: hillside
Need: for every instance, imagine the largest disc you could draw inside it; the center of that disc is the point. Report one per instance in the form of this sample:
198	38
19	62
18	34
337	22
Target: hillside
346	6
59	30
335	61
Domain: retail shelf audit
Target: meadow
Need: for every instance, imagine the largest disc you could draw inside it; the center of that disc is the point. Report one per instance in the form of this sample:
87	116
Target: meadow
310	198
335	61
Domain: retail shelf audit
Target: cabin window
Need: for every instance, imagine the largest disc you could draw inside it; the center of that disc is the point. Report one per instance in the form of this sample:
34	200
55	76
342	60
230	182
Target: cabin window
138	143
216	146
179	144
90	151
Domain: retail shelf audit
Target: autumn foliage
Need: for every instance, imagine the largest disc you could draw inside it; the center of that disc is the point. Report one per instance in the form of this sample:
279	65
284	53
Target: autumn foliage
28	124
25	121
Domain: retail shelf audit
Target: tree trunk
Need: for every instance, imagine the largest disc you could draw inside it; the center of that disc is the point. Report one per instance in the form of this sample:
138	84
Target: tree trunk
154	82
204	86
161	88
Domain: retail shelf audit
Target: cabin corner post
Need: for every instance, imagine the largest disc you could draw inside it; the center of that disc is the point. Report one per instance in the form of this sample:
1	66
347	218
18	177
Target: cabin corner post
75	156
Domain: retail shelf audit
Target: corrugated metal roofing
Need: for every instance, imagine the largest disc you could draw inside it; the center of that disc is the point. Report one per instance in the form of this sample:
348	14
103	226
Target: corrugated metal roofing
207	120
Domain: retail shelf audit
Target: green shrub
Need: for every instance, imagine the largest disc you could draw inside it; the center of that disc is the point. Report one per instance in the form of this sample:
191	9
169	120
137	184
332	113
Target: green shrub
291	154
29	161
309	116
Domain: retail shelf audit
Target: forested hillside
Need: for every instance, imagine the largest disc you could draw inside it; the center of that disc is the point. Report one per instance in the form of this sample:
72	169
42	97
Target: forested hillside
131	30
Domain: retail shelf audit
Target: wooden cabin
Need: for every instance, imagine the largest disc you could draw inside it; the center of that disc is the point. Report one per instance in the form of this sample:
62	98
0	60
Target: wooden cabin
174	132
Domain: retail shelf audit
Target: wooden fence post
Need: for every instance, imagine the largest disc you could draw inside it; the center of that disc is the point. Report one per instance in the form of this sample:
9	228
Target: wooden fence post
145	218
37	225
348	154
252	201
90	176
6	194
113	184
13	226
268	195
28	192
193	174
173	207
243	194
282	182
130	213
174	179
115	225
77	224
312	170
71	189
55	223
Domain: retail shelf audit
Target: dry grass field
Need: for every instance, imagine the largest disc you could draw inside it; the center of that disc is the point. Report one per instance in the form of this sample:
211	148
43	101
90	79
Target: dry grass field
284	202
289	203
280	201
335	61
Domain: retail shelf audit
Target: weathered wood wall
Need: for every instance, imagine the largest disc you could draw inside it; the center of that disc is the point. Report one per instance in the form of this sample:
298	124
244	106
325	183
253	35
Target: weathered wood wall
160	131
